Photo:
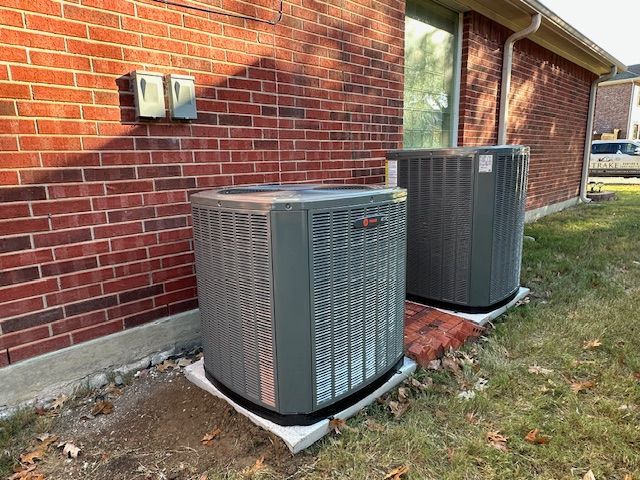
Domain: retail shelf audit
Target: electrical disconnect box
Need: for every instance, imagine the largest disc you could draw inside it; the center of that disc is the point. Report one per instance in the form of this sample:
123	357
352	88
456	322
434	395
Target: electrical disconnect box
182	97
148	92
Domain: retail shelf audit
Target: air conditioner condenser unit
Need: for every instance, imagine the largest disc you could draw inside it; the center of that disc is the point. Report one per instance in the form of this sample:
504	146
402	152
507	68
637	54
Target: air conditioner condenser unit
301	291
465	223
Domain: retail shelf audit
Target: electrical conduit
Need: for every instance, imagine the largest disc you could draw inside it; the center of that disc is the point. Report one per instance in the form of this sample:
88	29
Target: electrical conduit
507	62
589	133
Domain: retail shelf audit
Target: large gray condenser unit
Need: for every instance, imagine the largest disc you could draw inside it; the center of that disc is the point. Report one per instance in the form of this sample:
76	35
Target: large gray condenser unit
465	222
301	291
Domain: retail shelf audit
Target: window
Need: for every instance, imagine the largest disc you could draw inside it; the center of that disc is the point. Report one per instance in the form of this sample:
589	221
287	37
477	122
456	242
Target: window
431	36
635	130
604	148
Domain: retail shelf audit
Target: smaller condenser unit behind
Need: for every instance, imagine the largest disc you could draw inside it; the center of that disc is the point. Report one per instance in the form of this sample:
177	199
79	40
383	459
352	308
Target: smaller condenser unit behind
465	222
301	291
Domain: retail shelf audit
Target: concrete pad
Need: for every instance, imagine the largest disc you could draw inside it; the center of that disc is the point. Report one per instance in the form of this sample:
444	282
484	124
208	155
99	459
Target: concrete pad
297	438
484	318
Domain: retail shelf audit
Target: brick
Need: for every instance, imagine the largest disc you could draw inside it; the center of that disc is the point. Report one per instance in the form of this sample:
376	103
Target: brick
123	310
127	215
23	336
86	278
62	237
50	176
41	75
21	259
21	194
60	268
146	317
20	307
4	358
96	331
81	250
134	241
164	224
78	322
140	293
33	349
23	290
74	295
126	283
137	267
11	277
184	306
122	257
13	244
102	174
26	225
78	190
78	220
31	320
61	206
98	303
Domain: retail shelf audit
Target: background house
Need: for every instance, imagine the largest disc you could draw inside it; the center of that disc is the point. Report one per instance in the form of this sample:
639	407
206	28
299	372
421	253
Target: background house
94	214
618	105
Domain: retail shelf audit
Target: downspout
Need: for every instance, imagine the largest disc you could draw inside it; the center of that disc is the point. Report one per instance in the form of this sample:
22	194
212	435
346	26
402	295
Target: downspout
589	133
507	63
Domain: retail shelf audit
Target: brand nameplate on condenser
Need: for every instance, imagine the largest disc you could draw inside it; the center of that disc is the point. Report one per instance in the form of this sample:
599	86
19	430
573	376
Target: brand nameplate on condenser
369	222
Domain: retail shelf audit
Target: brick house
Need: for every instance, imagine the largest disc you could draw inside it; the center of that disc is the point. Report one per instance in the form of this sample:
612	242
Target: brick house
94	213
618	105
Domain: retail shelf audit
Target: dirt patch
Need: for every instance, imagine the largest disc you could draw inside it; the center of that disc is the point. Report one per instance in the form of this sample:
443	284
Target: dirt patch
154	432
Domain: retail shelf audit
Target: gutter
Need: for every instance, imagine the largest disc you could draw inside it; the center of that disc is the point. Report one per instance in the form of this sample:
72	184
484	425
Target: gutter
507	63
589	132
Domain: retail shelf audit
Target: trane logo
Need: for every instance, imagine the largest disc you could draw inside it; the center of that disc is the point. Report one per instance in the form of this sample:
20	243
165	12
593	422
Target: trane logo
369	222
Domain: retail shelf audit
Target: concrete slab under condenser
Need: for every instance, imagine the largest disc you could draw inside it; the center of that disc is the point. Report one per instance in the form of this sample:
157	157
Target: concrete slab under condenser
297	438
484	318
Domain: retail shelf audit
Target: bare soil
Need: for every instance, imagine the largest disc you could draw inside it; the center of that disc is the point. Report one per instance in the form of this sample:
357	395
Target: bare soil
155	432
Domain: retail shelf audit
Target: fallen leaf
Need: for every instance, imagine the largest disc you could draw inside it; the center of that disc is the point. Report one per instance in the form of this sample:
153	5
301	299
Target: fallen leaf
637	376
59	401
209	437
40	451
497	440
577	387
204	476
481	384
337	424
102	407
396	473
398	409
538	370
434	365
467	394
166	365
450	453
403	394
255	468
114	390
27	474
70	450
534	437
591	344
627	477
451	364
471	418
589	476
373	425
184	362
424	385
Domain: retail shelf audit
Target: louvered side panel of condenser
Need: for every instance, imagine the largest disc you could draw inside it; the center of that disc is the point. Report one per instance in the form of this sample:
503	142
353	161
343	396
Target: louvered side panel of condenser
508	227
440	214
357	297
233	262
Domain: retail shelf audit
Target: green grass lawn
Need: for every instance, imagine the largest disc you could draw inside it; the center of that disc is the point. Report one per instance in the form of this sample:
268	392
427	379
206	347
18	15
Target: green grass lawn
584	272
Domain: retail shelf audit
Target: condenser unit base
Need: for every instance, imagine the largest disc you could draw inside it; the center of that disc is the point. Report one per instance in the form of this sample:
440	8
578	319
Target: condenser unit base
299	437
485	317
464	308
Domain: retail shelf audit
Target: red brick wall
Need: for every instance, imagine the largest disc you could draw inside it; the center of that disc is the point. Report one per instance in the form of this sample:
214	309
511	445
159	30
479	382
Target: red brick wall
612	109
549	103
94	213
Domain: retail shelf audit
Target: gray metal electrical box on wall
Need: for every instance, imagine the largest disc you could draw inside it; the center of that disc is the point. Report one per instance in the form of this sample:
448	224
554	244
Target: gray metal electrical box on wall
148	93
301	291
182	97
465	223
